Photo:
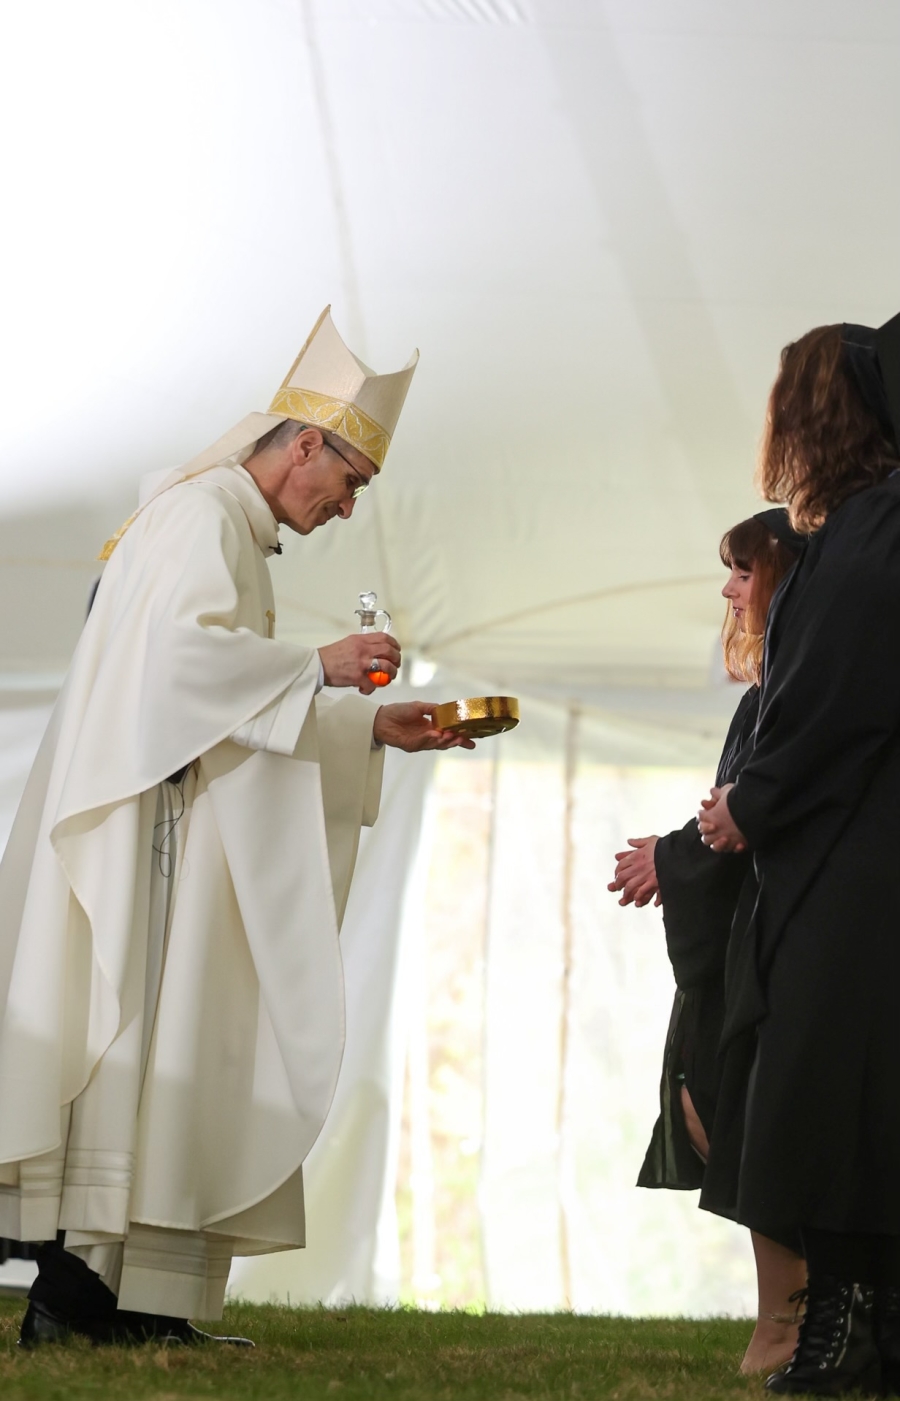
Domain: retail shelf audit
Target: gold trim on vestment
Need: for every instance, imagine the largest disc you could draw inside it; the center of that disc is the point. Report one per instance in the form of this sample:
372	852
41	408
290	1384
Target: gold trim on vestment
113	540
337	416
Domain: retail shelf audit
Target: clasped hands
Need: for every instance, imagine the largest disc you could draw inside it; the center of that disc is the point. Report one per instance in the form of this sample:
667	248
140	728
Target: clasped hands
635	874
718	829
407	725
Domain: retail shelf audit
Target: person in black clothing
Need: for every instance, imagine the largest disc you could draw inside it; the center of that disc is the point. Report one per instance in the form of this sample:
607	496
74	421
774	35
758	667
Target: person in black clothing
698	891
807	1129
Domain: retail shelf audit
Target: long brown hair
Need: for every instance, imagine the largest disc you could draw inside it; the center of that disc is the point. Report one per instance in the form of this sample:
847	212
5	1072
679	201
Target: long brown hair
822	442
751	546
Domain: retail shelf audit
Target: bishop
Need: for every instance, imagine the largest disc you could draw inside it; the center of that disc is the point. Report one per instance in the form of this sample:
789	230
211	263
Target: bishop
171	1004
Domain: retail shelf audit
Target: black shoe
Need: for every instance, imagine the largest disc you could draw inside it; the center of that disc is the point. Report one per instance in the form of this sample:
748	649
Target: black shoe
42	1324
836	1350
887	1336
131	1327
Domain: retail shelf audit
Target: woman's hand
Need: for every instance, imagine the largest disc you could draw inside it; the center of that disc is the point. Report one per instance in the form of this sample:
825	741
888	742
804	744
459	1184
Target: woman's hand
636	873
409	725
717	827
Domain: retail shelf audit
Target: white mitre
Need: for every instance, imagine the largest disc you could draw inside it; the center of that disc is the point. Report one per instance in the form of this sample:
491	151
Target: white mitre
326	387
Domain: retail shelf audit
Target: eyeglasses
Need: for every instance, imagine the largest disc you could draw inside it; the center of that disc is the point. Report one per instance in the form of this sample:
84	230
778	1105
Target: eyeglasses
355	491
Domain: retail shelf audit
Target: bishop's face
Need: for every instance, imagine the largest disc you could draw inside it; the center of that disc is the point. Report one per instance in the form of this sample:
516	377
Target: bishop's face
323	484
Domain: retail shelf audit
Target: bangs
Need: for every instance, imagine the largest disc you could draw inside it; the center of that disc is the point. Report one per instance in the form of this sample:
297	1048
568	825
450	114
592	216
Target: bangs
744	544
751	546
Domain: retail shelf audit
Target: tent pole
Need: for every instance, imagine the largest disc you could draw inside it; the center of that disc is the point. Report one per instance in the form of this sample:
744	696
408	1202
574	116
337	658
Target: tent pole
571	766
485	974
421	1157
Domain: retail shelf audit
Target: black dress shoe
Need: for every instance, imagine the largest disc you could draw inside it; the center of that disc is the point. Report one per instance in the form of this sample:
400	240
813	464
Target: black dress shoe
42	1324
133	1327
887	1336
836	1350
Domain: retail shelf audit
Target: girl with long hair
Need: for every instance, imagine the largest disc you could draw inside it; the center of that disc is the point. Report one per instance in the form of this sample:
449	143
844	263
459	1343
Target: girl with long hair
699	891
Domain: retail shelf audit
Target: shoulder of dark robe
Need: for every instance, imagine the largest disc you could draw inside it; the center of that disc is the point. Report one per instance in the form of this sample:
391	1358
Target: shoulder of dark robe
699	888
830	707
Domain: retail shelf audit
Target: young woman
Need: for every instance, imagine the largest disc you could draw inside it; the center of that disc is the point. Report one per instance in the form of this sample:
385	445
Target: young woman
807	1132
699	892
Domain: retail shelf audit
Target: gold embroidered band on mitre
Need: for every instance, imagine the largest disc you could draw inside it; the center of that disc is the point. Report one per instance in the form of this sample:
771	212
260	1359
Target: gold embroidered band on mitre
348	421
319	410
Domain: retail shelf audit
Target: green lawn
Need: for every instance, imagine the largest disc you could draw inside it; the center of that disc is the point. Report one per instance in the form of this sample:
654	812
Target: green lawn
360	1353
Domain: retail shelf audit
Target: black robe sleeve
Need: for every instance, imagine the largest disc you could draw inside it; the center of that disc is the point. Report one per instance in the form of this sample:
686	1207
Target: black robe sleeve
698	887
831	698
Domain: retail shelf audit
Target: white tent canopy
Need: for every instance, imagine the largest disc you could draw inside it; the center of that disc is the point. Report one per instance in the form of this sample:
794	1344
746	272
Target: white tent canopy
598	219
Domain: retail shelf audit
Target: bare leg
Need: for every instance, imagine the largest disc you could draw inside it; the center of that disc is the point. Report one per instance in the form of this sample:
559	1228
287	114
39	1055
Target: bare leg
696	1131
779	1273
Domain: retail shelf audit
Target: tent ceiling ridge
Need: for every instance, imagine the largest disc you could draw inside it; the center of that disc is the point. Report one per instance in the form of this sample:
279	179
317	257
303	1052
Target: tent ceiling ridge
573	601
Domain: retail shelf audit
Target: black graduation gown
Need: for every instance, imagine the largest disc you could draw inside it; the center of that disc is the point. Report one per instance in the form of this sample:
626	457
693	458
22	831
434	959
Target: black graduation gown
699	890
807	1127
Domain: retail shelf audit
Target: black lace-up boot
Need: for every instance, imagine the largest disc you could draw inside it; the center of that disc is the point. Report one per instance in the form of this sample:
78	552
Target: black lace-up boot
836	1350
887	1336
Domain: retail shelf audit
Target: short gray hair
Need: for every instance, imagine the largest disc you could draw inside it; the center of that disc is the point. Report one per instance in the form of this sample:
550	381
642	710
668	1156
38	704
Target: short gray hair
281	435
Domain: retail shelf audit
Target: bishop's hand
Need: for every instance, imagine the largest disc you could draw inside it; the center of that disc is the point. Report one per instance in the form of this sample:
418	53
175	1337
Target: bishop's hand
410	726
348	662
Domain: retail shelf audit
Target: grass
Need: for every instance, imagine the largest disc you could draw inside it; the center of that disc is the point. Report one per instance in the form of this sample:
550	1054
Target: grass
359	1354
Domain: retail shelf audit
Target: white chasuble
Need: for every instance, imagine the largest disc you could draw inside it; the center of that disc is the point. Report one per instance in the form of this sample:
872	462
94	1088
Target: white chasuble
171	997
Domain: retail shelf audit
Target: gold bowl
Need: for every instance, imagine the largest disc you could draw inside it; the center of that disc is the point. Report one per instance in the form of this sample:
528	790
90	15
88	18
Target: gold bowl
479	717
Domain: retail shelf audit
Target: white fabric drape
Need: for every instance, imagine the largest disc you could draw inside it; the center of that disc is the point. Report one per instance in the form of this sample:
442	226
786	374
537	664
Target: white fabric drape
22	723
349	1177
